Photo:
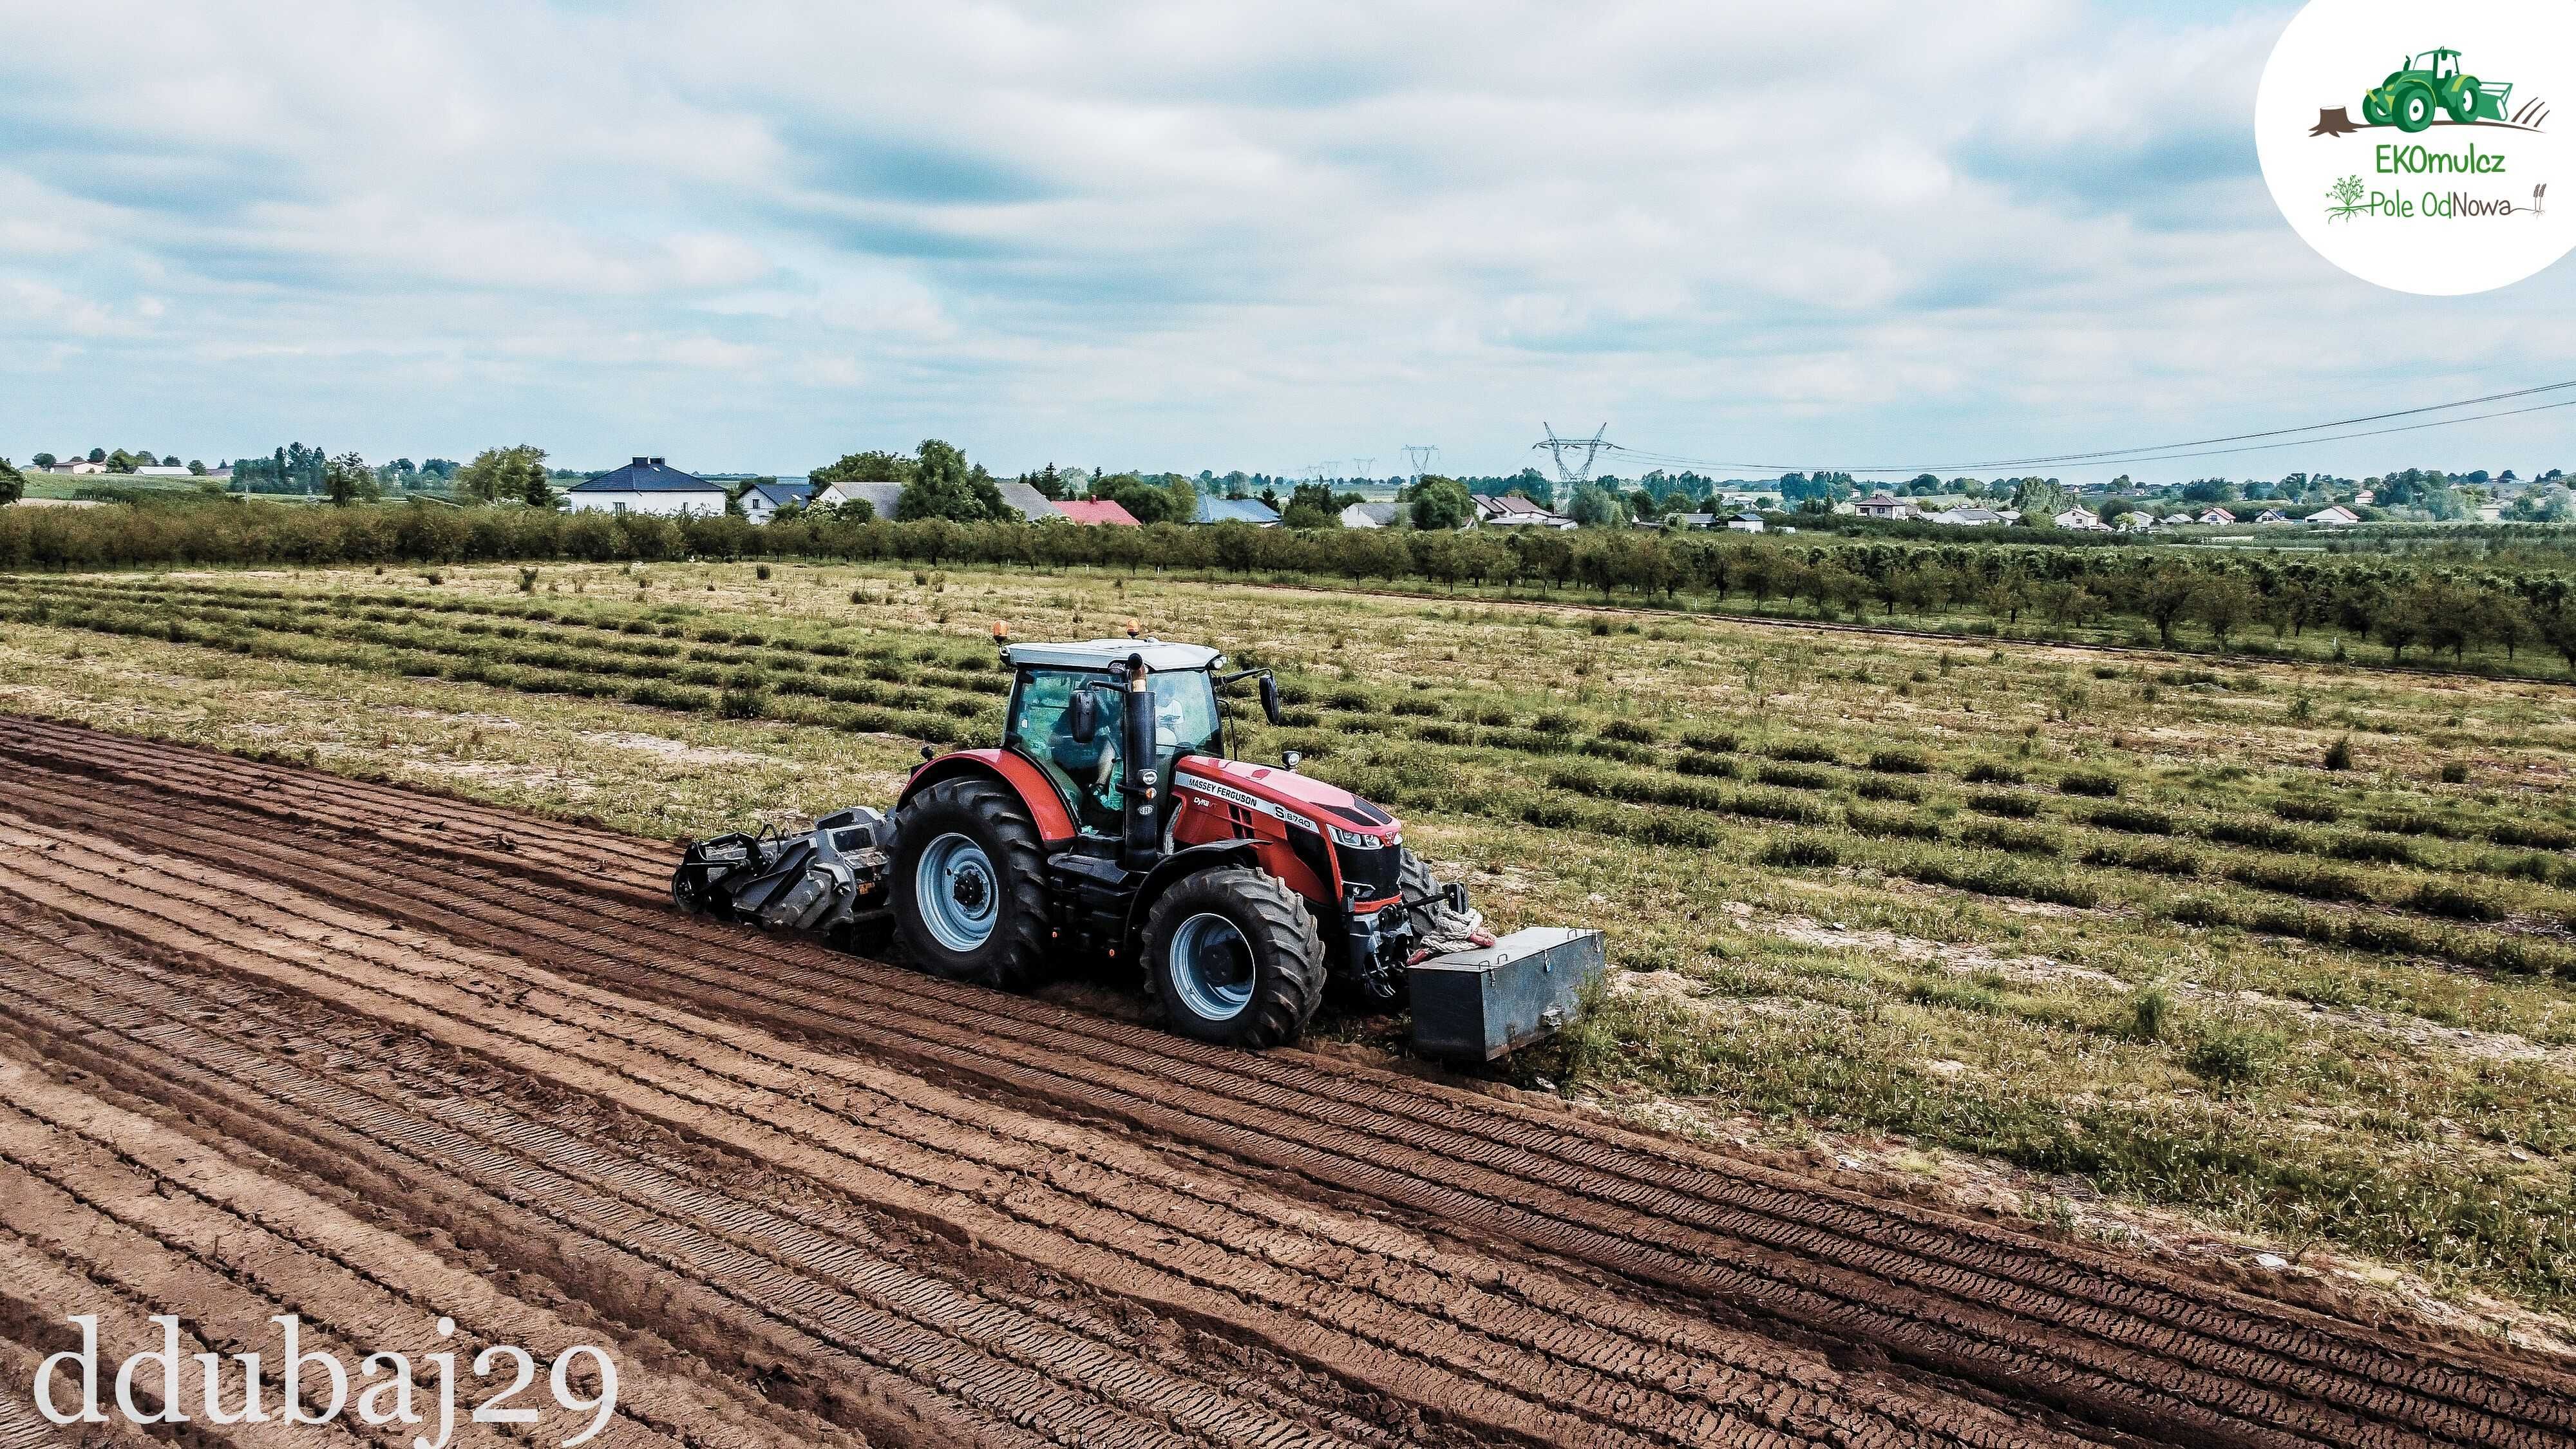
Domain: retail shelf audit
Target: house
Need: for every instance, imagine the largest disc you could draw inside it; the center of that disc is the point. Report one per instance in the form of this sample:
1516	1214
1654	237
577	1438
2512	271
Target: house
1236	510
223	474
1879	505
1095	511
1025	497
1690	520
79	465
1728	499
1513	511
761	501
647	485
1969	517
161	470
2490	513
880	496
2335	514
1373	515
2271	515
2366	495
2084	519
2177	519
1745	522
2216	516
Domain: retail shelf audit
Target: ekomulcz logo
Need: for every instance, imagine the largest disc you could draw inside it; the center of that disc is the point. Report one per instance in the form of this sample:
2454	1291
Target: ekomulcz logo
2442	186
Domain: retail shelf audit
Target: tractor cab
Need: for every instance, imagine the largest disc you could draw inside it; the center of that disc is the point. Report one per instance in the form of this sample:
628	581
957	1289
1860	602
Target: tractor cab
1068	717
2441	64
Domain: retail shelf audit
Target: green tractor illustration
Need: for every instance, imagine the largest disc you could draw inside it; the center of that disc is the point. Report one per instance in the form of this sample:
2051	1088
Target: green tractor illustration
2430	82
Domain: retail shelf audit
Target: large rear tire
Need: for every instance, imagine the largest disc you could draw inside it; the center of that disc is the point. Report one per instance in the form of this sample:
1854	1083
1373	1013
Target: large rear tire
1233	958
970	886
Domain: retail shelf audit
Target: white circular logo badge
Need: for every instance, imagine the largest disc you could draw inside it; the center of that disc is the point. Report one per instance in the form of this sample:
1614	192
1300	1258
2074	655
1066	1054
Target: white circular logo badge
2419	146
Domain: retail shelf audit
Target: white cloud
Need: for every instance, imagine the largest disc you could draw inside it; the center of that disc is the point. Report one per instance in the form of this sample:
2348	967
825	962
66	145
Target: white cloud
1175	234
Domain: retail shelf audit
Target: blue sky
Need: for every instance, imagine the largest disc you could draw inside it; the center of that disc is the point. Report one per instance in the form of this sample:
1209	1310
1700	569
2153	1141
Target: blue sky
753	237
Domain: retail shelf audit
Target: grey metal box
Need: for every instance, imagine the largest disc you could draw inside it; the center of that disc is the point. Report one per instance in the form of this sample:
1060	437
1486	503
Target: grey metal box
1481	1003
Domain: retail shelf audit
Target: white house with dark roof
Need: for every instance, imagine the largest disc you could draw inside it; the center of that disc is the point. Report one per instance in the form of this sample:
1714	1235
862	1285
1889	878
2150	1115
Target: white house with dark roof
647	485
761	501
1510	510
1372	515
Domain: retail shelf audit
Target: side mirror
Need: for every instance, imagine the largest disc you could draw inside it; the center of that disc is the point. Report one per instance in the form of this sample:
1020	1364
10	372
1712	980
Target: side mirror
1291	760
1082	717
1270	699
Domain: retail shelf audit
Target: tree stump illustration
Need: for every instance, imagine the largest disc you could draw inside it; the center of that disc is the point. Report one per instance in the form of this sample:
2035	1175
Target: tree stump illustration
2333	121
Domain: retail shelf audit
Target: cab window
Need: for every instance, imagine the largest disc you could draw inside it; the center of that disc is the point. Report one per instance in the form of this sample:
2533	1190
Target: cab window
1086	772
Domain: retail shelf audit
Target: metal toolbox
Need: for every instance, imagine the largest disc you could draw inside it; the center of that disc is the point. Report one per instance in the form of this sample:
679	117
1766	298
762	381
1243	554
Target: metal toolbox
1479	1004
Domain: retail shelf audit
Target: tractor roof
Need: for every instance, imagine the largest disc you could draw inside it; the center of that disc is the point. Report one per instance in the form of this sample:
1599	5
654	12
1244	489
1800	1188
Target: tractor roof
1101	653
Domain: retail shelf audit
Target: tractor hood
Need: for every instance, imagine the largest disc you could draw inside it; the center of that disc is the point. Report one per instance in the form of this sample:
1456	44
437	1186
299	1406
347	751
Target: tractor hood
1274	790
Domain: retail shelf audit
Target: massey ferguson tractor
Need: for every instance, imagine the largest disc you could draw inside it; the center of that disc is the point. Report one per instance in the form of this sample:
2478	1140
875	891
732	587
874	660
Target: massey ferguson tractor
1112	823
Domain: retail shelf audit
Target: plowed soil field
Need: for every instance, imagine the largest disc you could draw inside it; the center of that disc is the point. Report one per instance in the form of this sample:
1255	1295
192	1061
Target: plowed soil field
273	1040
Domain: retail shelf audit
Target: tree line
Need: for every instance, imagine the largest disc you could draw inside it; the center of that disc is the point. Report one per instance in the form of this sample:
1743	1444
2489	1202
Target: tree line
2390	603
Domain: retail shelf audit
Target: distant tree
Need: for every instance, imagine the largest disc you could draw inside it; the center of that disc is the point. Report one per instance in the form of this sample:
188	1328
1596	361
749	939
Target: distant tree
42	460
1531	484
499	473
1312	505
98	455
1145	502
1596	505
197	467
1049	483
347	479
945	485
1923	485
534	491
2164	596
13	484
2039	495
873	466
1442	505
2225	603
169	460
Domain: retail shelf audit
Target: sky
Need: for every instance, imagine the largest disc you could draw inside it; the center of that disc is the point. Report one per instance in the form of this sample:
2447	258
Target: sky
753	237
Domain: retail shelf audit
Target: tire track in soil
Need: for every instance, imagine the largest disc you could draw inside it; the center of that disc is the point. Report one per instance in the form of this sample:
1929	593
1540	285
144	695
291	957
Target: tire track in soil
2126	1298
563	1040
1611	1153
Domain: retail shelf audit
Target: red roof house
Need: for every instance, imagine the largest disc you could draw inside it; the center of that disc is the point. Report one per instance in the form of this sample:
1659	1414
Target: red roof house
1095	510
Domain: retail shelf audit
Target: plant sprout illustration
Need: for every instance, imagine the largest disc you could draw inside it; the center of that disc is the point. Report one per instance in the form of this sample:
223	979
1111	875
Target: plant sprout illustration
2346	196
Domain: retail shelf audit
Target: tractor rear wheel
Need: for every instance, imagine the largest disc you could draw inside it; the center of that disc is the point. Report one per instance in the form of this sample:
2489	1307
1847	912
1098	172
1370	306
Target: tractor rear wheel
970	885
2376	110
1233	957
2463	103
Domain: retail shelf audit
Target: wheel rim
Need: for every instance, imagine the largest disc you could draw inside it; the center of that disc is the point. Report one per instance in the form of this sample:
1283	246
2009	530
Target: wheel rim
959	893
1212	968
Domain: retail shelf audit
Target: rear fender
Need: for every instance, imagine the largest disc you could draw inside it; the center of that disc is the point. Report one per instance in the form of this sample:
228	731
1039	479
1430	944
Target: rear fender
1170	869
1037	793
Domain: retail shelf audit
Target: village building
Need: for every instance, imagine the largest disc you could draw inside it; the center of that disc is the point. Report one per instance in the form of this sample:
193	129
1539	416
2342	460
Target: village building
647	485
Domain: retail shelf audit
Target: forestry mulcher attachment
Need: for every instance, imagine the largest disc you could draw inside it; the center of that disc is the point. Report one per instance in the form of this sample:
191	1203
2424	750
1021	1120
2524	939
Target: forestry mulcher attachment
1112	822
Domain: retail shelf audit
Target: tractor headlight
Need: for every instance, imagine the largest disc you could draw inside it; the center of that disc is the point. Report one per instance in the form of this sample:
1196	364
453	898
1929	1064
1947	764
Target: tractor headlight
1354	839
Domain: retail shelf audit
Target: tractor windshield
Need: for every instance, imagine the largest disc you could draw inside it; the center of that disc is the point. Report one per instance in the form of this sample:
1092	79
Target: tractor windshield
1086	772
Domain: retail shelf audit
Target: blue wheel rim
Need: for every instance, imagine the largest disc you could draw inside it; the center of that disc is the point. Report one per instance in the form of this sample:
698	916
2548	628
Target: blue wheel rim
1212	967
959	893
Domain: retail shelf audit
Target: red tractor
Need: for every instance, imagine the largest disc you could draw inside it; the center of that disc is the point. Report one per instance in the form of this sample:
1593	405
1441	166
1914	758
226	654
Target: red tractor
1112	822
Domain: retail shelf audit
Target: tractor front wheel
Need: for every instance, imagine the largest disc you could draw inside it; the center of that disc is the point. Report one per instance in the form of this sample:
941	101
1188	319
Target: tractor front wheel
2413	109
970	885
1234	958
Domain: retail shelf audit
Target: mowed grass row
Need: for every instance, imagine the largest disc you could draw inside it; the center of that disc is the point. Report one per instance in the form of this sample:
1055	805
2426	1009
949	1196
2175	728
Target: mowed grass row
2295	1087
1803	783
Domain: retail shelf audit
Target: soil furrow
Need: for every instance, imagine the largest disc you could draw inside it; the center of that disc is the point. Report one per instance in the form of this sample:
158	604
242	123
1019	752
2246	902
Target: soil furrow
669	1243
550	1049
1639	1220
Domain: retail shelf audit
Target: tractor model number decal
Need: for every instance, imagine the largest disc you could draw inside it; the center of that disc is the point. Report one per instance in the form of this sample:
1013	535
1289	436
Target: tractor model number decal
1233	796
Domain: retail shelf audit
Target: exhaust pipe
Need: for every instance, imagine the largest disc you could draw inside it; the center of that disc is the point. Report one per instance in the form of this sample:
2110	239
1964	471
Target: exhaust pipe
1142	842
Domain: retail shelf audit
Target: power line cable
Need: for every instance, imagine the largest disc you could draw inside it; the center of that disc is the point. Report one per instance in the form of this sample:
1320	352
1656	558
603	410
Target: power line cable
2162	452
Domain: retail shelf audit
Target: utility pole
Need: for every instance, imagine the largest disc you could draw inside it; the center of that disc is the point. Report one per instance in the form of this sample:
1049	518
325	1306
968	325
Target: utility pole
1589	449
1420	456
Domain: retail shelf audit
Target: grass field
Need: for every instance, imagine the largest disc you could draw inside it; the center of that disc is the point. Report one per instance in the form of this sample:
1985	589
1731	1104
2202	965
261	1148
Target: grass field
2083	923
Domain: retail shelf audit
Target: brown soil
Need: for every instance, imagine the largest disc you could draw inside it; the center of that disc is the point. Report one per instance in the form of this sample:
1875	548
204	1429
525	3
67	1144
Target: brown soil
274	1039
